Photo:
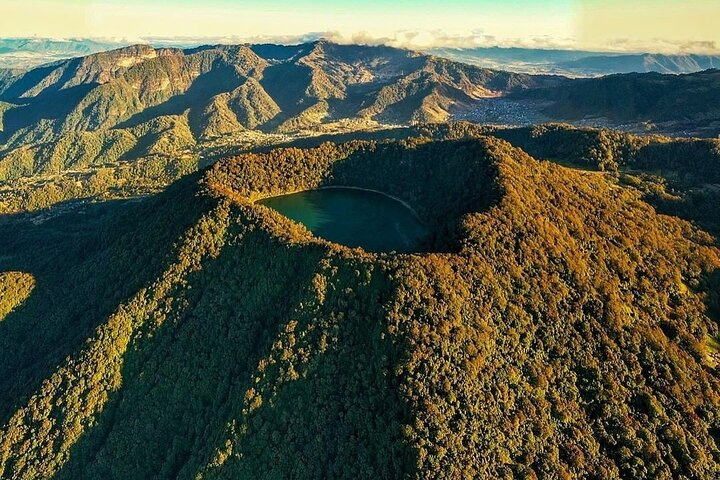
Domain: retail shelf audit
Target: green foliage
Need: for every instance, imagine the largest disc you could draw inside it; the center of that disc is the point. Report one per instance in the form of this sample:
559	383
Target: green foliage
215	120
567	333
252	105
439	191
138	178
165	135
76	151
687	162
4	106
15	288
18	163
223	88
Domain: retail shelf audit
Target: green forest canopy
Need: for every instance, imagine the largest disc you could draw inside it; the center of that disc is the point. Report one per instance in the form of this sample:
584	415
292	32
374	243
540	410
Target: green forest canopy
557	326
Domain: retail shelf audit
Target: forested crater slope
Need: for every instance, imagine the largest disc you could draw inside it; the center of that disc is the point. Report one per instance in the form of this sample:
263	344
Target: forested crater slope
557	326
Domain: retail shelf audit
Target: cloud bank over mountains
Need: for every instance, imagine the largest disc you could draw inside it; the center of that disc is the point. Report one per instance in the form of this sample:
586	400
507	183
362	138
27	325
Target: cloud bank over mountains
428	39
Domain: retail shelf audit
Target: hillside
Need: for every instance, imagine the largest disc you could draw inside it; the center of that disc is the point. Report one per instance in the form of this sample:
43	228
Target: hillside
129	121
679	103
128	85
168	110
644	63
557	325
686	161
577	63
680	174
31	52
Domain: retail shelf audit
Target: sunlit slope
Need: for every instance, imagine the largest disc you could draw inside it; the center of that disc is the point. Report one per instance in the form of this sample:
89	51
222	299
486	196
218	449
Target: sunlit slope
225	89
15	287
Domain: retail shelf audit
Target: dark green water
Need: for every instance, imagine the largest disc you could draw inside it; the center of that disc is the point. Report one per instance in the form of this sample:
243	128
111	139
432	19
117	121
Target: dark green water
356	218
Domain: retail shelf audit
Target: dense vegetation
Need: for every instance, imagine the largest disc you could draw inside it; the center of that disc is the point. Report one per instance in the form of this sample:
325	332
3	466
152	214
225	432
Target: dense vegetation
685	161
439	182
562	321
15	288
684	166
557	327
130	121
678	176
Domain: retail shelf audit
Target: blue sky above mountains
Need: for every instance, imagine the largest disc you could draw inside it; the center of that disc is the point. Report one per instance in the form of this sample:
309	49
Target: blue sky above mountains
667	26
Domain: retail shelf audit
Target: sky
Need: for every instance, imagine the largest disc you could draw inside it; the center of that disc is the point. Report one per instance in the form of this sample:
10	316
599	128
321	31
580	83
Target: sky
665	26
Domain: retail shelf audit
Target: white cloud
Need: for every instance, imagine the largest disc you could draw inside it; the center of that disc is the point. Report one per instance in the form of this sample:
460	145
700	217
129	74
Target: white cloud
429	39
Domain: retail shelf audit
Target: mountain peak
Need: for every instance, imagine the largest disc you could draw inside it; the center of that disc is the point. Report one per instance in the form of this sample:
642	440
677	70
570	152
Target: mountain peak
320	45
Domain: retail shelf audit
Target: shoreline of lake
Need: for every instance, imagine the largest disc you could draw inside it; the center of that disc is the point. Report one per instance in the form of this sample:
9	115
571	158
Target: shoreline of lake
348	187
353	216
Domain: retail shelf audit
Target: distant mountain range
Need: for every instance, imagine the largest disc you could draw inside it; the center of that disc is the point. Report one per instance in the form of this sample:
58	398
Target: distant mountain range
270	86
31	52
143	100
26	53
643	63
576	62
139	101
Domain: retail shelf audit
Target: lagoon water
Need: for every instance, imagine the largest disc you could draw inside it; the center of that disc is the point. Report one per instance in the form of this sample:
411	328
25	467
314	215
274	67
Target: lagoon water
353	217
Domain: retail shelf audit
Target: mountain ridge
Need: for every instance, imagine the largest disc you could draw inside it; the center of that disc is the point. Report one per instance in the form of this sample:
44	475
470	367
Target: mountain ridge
578	63
136	74
160	113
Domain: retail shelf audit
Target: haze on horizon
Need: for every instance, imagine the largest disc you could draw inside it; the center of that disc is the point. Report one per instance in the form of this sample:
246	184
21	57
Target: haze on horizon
662	26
